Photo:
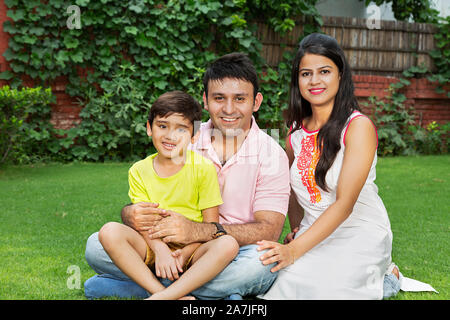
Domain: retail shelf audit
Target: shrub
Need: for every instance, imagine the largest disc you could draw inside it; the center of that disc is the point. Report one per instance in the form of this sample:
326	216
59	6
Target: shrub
165	45
433	139
398	133
113	123
393	120
24	123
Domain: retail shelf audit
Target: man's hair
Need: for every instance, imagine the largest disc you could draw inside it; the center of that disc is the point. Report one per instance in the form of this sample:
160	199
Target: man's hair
176	102
234	65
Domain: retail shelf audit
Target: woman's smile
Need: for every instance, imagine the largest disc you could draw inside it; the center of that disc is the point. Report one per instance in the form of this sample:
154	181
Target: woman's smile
316	91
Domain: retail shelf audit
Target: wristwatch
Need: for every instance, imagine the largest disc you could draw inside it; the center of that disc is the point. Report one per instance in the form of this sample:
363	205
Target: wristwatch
220	230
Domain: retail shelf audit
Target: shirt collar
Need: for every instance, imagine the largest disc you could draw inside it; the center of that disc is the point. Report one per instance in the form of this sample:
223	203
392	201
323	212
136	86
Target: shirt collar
248	148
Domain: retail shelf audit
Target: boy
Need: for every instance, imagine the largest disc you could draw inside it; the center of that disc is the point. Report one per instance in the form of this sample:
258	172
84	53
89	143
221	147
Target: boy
180	180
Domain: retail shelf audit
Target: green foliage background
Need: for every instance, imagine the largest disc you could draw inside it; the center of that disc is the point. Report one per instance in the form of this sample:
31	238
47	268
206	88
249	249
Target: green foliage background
127	53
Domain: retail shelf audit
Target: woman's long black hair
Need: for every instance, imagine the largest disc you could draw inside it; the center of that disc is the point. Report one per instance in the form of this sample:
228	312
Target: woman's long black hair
345	103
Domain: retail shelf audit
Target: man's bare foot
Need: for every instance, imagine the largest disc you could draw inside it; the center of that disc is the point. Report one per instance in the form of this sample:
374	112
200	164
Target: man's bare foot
187	298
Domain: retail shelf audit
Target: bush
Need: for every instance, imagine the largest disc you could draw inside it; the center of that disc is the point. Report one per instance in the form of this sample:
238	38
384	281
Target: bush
433	139
393	120
113	123
398	133
164	46
24	123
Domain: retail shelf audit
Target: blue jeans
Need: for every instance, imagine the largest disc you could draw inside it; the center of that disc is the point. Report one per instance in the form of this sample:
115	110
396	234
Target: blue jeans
391	286
244	276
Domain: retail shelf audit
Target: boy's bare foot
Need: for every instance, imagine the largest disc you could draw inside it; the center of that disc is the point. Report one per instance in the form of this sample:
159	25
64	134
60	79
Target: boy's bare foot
155	296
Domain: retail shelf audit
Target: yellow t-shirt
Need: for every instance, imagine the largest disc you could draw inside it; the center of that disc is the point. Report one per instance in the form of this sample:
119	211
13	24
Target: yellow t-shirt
194	188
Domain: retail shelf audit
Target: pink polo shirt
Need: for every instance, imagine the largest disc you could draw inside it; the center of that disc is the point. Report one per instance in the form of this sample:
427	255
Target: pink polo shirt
255	178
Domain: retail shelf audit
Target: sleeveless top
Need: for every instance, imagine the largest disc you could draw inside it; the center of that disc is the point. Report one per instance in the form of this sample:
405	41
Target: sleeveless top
352	261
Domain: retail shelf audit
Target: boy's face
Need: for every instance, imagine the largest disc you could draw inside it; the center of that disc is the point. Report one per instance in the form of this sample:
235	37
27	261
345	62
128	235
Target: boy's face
171	135
231	104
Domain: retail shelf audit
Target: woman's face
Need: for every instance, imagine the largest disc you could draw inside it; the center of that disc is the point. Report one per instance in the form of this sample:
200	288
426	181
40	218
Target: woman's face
318	80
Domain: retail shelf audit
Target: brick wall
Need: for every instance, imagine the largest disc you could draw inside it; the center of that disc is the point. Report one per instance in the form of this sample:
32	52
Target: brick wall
65	111
420	93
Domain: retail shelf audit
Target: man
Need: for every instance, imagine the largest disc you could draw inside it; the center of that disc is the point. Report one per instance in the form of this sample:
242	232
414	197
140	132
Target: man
253	175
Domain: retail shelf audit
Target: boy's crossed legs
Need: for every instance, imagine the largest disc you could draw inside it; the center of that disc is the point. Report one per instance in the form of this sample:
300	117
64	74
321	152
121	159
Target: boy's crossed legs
128	249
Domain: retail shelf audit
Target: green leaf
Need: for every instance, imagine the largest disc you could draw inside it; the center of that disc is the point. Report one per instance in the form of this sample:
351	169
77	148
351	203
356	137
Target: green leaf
71	42
136	9
143	41
9	54
131	30
9	27
11	3
38	31
82	3
245	42
29	39
6	75
16	15
162	84
77	56
61	57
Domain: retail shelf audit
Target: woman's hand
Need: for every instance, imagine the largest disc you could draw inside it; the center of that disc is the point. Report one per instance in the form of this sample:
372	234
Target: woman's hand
290	236
277	252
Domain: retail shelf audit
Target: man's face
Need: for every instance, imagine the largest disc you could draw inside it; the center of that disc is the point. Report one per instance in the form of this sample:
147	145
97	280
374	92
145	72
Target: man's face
230	104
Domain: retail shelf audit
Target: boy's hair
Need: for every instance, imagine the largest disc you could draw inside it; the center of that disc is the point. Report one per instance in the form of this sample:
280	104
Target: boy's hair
234	65
176	102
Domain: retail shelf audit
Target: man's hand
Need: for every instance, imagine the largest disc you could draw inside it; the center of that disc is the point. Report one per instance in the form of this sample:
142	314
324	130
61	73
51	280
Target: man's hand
142	216
174	227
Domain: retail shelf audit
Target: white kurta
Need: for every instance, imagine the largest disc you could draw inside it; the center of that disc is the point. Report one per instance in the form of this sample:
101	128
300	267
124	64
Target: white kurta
352	261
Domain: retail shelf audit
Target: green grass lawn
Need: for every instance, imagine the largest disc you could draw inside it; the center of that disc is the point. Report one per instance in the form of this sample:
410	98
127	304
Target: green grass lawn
49	210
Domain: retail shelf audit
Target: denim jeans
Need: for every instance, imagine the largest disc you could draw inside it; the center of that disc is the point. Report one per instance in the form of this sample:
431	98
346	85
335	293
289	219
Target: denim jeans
244	276
391	286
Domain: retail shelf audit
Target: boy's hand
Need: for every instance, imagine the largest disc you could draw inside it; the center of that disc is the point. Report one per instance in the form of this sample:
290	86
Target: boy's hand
166	265
181	256
142	216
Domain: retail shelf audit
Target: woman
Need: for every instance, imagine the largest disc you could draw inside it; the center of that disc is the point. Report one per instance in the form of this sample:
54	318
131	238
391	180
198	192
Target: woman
342	246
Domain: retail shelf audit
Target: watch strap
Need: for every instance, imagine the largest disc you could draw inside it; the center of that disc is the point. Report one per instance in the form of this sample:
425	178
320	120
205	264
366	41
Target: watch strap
220	230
